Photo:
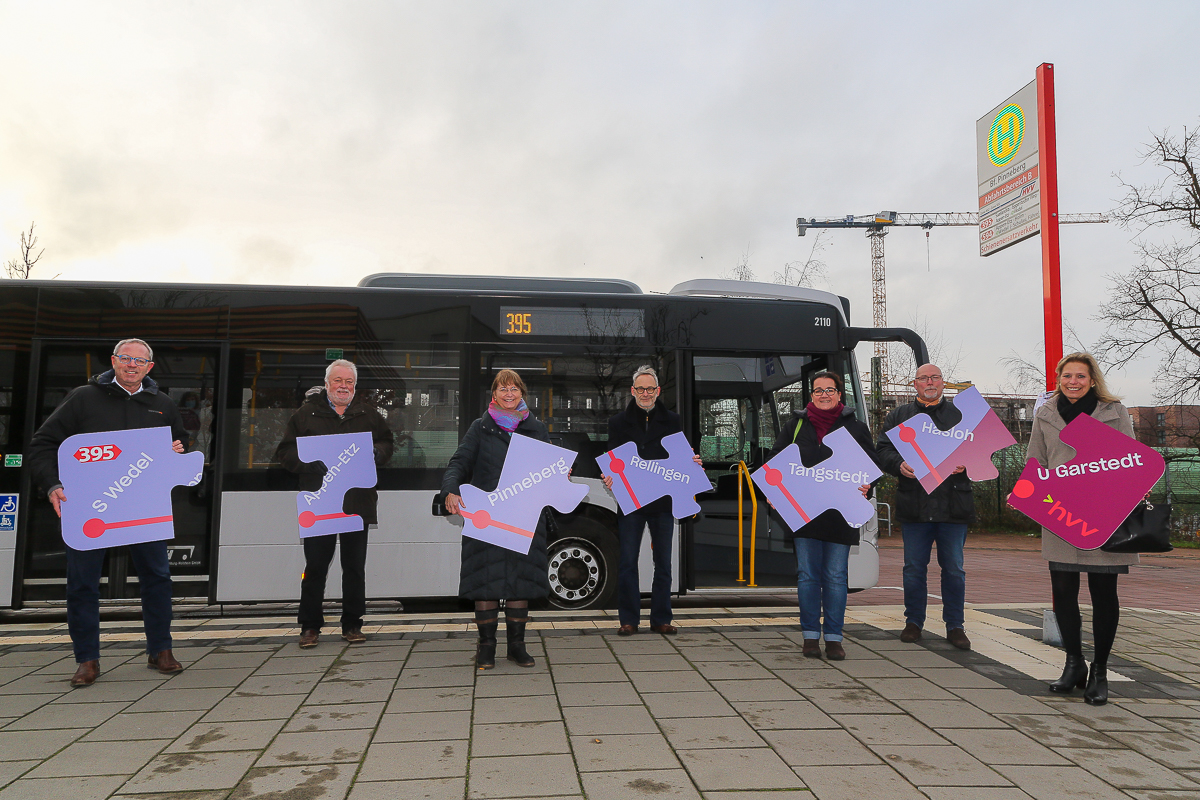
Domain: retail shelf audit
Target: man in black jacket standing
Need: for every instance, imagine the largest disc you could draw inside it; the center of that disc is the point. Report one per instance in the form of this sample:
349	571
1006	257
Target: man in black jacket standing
120	399
941	517
645	421
335	409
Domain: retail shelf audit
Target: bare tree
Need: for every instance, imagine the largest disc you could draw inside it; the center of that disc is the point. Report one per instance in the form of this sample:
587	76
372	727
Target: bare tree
902	365
1027	375
19	269
812	269
741	271
1155	307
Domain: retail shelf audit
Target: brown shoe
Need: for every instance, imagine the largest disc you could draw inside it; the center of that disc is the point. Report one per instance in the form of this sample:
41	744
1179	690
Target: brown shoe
958	638
627	630
834	651
309	638
812	648
665	630
165	663
86	674
910	634
353	636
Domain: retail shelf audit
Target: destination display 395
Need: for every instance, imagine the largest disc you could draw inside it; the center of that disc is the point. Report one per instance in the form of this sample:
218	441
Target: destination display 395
118	486
1084	500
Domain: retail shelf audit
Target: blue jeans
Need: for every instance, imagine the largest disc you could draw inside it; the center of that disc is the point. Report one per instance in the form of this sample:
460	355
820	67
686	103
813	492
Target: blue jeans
919	538
822	585
629	593
83	597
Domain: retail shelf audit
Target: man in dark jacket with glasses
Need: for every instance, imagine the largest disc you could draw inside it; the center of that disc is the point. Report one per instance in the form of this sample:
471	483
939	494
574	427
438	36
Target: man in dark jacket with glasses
119	399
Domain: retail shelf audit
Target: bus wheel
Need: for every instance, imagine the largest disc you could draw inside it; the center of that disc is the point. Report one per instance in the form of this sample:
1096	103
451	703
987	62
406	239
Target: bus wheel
583	565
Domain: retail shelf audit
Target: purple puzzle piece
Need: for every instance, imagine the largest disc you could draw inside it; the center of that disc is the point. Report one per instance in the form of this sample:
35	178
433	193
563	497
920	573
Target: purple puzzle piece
1084	500
638	481
118	486
934	454
534	476
350	458
800	493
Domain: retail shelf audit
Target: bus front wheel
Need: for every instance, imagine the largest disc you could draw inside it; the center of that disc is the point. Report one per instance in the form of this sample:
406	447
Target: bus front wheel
583	565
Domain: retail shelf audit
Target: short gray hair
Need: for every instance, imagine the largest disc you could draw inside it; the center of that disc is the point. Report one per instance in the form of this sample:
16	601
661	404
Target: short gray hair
341	362
645	369
123	342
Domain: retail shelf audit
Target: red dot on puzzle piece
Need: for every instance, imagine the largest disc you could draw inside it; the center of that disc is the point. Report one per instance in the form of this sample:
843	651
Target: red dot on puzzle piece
481	519
307	519
93	528
617	465
908	434
774	476
1023	488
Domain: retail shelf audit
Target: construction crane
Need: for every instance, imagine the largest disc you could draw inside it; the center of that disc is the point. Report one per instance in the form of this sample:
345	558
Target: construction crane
876	227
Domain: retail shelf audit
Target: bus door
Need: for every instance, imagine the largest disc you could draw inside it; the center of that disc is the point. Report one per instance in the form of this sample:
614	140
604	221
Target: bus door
191	375
737	405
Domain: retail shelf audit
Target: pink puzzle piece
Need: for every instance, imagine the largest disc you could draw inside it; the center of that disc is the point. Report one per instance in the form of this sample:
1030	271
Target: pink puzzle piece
638	481
934	454
1084	500
800	493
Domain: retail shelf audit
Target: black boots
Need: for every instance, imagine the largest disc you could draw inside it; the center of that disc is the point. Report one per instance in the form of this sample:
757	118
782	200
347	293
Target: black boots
515	628
485	651
1074	676
1096	693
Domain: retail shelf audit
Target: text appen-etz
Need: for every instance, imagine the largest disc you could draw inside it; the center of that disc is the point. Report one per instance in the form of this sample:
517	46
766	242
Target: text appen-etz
559	467
1128	461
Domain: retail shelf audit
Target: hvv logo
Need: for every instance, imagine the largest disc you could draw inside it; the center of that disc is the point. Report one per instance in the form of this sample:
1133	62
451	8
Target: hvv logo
1086	499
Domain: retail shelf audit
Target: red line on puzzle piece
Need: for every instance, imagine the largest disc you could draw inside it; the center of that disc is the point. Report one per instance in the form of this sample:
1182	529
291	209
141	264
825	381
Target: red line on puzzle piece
94	528
618	466
482	519
909	435
775	478
308	518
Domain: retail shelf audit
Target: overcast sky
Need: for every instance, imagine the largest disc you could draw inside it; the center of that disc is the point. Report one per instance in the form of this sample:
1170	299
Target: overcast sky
315	143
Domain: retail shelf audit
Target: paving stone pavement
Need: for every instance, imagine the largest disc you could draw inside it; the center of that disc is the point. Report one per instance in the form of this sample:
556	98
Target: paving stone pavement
726	710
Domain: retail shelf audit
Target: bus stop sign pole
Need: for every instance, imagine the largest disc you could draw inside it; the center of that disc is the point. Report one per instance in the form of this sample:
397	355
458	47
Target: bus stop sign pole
1051	288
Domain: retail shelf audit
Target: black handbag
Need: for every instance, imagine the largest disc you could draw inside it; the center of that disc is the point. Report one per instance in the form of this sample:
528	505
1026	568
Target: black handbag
1147	529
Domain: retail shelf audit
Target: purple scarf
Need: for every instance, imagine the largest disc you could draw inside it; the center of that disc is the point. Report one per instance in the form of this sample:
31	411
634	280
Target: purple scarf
508	420
822	420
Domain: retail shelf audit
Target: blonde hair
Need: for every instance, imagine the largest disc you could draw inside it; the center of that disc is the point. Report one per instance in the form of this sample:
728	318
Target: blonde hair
508	377
1102	392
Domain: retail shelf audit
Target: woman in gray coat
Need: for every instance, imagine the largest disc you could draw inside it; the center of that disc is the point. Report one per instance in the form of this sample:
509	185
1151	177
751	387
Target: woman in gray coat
1081	390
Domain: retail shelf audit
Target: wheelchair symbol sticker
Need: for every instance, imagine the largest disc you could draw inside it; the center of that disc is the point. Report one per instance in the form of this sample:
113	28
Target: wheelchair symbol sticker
8	513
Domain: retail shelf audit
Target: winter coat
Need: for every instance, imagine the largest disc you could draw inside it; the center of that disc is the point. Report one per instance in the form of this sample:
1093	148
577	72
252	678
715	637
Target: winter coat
489	572
646	430
829	525
952	500
1048	450
100	405
317	418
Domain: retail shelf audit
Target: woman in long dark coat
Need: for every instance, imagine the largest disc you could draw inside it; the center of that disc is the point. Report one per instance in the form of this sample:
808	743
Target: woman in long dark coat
823	545
490	573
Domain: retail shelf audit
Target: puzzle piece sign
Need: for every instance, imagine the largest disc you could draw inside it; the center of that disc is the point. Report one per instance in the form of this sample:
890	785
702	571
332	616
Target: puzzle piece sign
350	459
534	476
934	454
118	486
638	481
1084	500
801	493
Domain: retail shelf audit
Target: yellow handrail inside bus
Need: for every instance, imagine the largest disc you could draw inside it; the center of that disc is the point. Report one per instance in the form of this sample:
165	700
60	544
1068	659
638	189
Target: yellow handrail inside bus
744	474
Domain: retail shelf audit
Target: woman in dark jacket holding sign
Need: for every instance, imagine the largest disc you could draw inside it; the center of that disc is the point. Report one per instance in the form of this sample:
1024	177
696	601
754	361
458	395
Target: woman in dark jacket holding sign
1081	390
823	545
490	573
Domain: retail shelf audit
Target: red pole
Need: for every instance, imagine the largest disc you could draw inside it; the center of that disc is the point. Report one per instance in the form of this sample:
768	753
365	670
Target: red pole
1048	158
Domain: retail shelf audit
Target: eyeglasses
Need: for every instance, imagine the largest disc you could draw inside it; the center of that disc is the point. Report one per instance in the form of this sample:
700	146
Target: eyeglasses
829	391
645	389
508	390
928	378
137	362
